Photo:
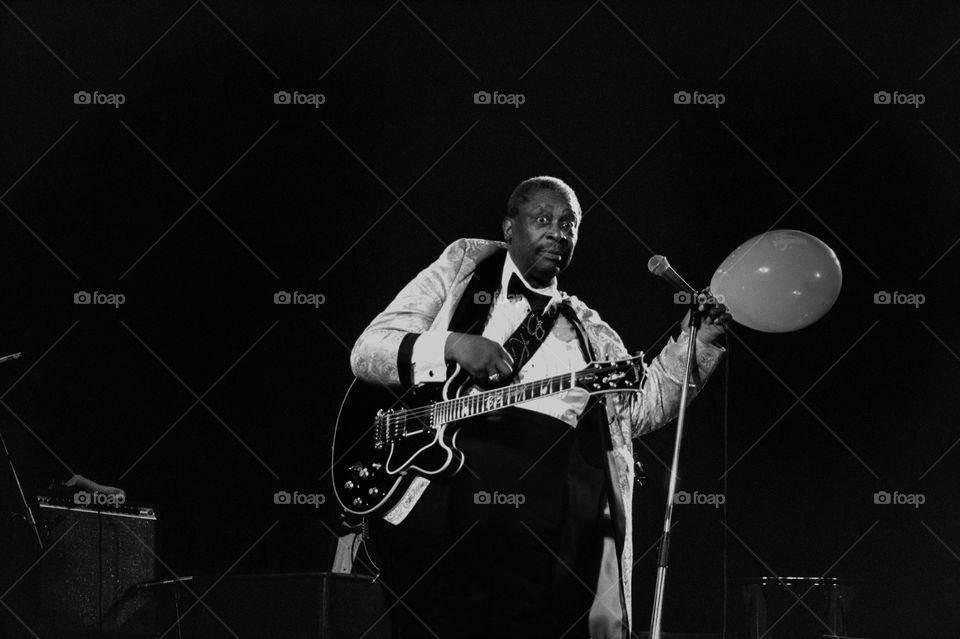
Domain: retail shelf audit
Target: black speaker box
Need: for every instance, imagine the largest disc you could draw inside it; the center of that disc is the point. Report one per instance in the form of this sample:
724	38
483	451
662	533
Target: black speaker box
291	606
85	583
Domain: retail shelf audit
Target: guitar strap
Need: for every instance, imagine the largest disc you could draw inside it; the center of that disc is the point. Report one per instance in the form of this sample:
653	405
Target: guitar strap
525	341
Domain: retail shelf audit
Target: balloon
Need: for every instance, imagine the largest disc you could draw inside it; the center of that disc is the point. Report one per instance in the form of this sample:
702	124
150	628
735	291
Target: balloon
779	281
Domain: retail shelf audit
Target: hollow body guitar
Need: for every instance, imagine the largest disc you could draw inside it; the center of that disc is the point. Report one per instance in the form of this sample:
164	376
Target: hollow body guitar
385	437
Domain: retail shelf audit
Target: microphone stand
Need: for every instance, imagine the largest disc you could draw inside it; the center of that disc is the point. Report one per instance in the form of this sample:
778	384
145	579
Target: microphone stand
28	512
662	560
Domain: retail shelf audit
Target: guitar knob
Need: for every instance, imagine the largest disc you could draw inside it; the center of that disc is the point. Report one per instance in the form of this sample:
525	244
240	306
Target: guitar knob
357	502
376	465
374	491
358	470
349	485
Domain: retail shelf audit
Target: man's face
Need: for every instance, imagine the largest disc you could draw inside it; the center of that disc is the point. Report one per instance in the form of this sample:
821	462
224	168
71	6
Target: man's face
542	236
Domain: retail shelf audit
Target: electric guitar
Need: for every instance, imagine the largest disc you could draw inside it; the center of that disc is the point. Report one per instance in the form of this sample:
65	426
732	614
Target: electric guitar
377	454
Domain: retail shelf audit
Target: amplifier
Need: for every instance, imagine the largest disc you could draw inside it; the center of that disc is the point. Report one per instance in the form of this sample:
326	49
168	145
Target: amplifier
95	556
292	606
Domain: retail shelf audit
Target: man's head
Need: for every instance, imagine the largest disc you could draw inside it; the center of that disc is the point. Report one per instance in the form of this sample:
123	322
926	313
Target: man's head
541	226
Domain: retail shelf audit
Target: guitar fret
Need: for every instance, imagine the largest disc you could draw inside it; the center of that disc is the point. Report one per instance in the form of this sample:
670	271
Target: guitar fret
477	403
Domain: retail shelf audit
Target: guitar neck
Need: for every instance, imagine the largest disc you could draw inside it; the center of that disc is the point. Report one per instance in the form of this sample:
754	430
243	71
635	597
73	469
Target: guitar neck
488	401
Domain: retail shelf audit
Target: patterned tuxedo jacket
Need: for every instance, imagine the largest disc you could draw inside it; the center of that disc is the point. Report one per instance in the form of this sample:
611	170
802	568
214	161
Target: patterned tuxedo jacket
382	354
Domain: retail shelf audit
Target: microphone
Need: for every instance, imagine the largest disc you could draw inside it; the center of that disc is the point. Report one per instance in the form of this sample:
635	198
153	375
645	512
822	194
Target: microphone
660	267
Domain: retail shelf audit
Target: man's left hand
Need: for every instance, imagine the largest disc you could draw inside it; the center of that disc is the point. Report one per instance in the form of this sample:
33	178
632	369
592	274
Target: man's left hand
714	318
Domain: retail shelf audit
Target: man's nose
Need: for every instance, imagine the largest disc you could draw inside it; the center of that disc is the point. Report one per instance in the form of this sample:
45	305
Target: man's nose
557	234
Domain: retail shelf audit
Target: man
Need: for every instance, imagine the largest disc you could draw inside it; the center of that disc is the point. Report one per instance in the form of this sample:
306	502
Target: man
533	537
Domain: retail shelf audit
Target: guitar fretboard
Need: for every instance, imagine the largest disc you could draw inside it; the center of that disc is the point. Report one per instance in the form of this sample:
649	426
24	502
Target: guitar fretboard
489	401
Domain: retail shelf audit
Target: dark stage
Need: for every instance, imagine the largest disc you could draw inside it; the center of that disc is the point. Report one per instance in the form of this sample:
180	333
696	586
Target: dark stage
174	172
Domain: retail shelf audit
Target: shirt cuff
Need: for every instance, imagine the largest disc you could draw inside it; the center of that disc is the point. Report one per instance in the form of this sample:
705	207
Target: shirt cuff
685	331
429	364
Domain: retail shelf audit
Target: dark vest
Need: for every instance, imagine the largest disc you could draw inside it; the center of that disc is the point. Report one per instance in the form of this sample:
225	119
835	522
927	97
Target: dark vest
593	430
470	316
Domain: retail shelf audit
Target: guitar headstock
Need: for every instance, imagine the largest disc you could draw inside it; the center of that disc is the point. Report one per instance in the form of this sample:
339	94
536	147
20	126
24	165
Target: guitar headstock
613	376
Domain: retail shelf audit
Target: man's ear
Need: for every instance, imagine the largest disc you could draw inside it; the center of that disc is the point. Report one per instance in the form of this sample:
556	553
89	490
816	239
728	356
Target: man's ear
507	229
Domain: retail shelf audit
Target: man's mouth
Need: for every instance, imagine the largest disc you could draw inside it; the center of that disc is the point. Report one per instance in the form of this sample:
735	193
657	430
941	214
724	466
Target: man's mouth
556	256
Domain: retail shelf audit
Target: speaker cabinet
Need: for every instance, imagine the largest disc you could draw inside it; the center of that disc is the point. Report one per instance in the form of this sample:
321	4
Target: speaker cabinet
293	606
86	581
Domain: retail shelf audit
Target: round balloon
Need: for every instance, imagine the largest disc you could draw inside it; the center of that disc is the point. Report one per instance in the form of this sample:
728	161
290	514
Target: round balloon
779	281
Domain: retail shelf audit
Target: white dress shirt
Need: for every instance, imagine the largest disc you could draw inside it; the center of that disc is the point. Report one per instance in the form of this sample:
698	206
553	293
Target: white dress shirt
560	352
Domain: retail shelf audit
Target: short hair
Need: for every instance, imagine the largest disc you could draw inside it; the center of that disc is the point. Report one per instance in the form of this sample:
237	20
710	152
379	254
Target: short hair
521	194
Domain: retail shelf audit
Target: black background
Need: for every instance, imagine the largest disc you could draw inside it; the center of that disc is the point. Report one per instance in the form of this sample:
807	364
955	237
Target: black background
352	198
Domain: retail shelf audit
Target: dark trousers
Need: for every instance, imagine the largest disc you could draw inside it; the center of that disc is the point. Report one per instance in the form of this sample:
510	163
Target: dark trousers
508	547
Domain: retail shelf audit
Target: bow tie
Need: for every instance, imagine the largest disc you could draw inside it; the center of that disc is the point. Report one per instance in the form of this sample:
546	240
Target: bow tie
537	301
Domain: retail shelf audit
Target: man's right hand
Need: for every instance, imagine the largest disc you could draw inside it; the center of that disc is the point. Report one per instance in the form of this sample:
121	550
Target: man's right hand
479	356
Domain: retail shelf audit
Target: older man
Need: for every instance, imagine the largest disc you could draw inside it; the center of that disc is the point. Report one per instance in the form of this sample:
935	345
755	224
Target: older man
533	537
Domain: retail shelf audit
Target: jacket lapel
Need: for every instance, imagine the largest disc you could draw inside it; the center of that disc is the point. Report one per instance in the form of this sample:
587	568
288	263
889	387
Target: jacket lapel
474	304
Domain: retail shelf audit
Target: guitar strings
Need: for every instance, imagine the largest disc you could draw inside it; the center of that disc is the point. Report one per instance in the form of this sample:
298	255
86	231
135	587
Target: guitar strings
427	410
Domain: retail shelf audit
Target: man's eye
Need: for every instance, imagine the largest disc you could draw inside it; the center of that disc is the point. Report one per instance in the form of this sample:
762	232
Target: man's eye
543	219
